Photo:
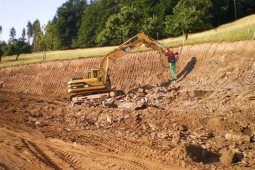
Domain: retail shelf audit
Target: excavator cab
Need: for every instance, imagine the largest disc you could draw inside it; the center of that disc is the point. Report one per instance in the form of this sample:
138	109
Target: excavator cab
93	73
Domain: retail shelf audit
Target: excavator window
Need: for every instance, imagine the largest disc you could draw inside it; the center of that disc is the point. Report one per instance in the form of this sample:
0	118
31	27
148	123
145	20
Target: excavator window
95	73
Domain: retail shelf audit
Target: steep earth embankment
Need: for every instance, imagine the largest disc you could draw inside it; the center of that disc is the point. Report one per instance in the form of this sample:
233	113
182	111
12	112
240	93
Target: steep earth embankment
216	65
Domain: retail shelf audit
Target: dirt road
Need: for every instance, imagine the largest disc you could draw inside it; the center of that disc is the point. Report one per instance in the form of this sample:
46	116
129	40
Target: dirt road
205	121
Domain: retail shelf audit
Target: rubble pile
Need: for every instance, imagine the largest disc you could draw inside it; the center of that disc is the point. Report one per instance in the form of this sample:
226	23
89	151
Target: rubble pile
136	98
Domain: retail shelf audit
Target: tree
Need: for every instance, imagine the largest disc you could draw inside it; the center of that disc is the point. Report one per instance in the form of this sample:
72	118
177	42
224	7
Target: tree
12	34
51	36
18	47
37	31
189	16
23	35
94	19
151	26
1	29
119	27
69	17
29	31
2	46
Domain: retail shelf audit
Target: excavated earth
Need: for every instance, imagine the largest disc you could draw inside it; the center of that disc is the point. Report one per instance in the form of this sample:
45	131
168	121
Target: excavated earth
206	120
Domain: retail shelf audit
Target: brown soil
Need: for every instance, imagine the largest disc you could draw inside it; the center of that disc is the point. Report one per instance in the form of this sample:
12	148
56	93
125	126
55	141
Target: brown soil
205	121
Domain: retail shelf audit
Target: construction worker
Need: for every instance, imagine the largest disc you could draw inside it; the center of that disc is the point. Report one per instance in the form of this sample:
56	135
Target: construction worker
172	58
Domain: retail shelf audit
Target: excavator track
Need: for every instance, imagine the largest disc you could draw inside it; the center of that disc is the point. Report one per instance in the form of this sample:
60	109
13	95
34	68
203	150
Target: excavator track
81	97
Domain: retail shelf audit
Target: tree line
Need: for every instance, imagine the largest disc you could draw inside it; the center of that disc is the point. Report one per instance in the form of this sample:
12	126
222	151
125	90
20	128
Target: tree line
83	23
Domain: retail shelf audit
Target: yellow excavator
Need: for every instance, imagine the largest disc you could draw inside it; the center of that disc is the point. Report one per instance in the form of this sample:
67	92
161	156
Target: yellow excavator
98	80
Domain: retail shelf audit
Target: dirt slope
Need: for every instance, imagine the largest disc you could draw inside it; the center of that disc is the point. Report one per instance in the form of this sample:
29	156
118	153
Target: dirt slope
205	121
208	65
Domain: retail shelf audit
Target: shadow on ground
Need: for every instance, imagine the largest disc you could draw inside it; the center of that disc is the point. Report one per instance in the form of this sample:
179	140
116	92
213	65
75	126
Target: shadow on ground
187	69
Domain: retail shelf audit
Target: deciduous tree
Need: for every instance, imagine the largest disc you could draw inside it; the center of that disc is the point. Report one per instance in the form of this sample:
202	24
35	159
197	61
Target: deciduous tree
151	26
17	47
51	36
94	20
120	27
68	18
189	16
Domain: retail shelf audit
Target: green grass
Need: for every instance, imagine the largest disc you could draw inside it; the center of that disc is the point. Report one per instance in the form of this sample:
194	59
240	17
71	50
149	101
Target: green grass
37	57
242	29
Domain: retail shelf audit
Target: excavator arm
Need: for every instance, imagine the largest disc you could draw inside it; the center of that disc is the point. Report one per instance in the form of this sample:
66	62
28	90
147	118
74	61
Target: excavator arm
126	47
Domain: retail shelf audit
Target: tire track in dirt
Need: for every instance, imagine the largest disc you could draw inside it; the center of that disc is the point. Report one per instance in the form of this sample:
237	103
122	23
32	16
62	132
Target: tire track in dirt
39	154
98	156
123	146
55	154
71	161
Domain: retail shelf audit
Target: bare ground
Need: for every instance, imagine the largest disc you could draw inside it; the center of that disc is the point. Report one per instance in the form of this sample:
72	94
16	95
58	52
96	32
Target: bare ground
205	121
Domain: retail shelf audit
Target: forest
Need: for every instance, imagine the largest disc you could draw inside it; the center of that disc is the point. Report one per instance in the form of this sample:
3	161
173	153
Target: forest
83	23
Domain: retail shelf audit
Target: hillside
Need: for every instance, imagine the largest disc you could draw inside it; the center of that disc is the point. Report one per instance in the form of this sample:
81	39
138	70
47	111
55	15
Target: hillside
242	29
204	121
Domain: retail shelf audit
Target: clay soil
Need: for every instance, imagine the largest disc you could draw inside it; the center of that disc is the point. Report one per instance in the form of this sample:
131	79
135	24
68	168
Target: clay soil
204	121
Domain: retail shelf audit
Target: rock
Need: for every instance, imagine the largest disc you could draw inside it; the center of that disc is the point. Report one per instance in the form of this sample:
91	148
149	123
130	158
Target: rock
36	113
140	90
68	129
108	119
78	114
112	94
236	137
230	156
126	105
141	104
153	126
138	105
109	103
162	135
37	123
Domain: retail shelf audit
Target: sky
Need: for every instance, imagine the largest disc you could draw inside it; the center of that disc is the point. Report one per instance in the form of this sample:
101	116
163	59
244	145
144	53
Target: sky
16	13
